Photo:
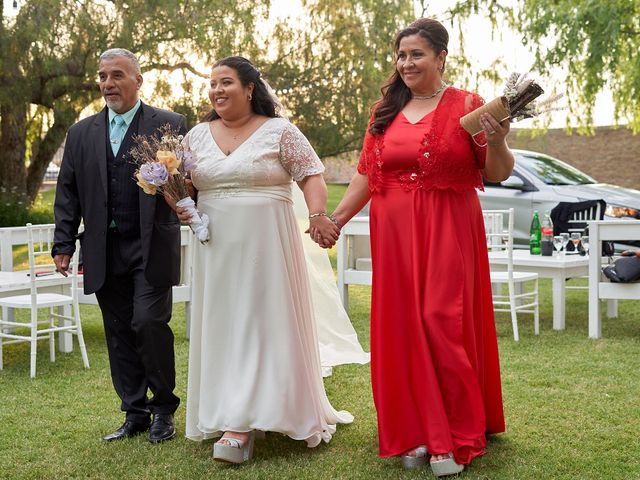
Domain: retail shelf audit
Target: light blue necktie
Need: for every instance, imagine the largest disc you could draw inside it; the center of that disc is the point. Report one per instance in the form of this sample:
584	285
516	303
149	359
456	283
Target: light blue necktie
118	129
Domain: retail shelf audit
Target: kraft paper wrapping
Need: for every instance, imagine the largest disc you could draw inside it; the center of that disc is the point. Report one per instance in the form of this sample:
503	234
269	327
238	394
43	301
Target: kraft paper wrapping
498	107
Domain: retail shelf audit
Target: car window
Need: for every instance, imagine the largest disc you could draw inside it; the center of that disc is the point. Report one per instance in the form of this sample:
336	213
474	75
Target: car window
552	171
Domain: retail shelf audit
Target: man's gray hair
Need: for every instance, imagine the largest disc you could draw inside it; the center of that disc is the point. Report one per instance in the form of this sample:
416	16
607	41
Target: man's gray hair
121	52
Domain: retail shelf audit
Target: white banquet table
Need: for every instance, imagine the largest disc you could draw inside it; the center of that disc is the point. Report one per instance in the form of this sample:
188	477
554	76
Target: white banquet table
558	268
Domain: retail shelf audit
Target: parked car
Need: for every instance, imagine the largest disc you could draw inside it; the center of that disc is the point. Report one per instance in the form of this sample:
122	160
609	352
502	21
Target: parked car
539	182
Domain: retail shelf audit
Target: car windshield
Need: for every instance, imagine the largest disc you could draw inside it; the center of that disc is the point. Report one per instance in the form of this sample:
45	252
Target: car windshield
552	171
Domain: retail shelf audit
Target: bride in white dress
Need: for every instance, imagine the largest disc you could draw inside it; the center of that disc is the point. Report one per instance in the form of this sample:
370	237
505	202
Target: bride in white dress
253	359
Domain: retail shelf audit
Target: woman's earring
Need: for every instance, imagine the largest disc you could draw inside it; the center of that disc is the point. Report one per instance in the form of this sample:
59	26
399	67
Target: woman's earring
250	97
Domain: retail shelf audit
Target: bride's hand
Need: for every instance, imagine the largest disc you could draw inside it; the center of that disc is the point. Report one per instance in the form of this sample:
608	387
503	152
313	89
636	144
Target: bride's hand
183	215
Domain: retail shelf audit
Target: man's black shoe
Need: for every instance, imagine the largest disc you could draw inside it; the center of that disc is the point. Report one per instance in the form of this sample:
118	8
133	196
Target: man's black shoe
162	428
127	430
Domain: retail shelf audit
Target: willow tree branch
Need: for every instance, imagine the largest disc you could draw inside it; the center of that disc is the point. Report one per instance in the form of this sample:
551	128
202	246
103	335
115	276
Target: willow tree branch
174	67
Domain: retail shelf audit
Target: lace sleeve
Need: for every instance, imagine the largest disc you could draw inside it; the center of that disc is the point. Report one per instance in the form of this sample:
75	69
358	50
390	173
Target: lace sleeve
297	155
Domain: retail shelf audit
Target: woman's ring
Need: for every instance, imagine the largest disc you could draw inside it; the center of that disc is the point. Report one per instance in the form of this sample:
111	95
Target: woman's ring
491	132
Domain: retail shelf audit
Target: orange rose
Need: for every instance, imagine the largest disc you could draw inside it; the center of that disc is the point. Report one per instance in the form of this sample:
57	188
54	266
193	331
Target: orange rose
146	186
169	160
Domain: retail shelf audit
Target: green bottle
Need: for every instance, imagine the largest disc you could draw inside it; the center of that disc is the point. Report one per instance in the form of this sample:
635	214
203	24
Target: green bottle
535	235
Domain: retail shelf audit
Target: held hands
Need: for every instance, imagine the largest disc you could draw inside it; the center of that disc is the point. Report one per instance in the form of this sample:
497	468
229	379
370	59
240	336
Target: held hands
323	231
62	263
495	131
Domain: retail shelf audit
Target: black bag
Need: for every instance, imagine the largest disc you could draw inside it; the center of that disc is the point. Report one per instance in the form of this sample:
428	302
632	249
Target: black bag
623	270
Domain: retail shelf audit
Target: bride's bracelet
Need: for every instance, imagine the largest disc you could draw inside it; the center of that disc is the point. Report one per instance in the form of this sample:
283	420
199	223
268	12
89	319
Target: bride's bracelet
319	214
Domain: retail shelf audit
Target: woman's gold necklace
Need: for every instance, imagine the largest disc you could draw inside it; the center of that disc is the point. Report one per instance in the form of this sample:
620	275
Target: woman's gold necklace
427	97
235	137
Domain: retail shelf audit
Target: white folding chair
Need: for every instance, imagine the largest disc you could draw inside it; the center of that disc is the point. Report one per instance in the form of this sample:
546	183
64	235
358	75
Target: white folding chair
40	241
499	235
578	220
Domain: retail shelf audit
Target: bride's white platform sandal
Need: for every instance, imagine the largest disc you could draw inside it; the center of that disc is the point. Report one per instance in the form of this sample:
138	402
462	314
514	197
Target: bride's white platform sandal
418	460
447	466
236	451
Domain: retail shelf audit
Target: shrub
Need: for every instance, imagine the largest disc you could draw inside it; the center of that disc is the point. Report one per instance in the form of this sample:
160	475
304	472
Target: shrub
15	209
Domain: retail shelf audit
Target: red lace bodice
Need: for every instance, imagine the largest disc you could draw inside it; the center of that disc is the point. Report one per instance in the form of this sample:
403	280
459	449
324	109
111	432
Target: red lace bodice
447	158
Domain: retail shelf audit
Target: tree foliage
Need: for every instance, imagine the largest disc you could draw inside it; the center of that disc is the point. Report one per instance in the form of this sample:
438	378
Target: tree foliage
49	58
327	69
329	73
596	42
599	44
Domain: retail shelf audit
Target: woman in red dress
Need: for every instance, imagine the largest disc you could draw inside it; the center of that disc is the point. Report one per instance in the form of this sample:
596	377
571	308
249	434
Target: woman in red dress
434	354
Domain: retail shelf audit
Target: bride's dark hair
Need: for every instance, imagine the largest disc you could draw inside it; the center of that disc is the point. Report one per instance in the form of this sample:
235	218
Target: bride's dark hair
262	102
395	94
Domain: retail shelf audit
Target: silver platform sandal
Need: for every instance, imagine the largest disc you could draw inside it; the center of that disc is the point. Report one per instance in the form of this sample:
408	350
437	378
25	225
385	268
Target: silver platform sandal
411	462
448	466
236	451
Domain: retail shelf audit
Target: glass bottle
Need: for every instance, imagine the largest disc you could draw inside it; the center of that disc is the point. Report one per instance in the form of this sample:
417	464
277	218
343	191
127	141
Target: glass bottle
535	234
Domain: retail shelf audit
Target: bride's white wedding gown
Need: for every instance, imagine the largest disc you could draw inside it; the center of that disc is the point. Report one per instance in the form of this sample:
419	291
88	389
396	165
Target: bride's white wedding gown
337	338
253	356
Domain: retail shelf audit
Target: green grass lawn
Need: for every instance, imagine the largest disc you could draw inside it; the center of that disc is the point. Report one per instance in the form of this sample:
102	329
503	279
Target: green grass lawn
571	406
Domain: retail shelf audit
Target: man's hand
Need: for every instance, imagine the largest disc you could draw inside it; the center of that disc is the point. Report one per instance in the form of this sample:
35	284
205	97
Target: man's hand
62	263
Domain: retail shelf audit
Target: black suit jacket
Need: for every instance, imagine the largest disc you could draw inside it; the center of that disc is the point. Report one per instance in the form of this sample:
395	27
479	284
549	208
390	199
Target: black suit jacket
82	194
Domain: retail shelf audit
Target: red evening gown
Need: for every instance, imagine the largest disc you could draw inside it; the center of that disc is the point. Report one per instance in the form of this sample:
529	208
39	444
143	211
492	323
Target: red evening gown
434	353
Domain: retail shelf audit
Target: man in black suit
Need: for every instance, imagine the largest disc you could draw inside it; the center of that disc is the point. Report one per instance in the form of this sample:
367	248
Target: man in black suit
130	246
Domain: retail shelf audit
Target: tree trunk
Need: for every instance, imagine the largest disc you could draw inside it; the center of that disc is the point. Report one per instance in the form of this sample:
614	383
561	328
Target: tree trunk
13	132
47	148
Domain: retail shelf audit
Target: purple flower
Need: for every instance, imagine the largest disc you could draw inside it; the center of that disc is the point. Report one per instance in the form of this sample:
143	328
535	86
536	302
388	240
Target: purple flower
189	161
154	173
